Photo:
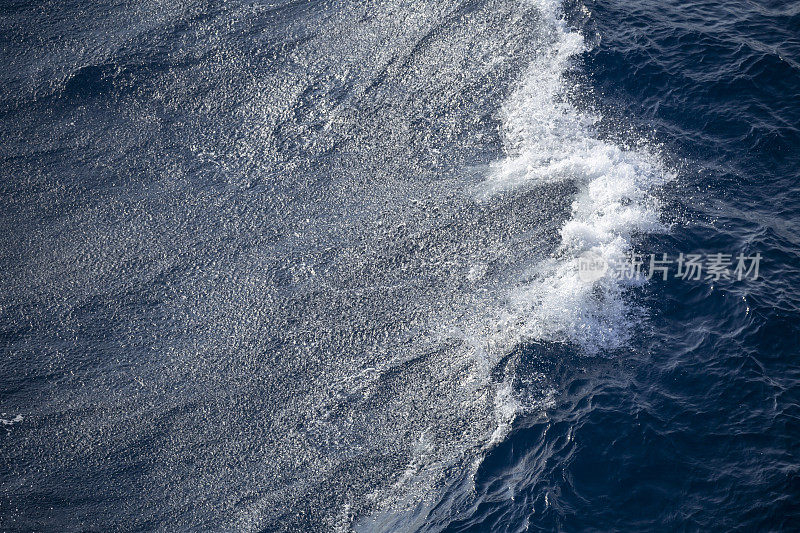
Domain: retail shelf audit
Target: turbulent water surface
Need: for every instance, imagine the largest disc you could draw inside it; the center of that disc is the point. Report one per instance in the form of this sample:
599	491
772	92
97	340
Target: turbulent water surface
314	265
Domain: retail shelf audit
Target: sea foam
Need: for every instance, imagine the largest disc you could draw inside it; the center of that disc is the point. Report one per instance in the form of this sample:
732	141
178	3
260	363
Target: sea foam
548	139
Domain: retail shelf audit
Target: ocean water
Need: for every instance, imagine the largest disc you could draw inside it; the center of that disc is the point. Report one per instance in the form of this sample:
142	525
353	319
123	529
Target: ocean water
316	265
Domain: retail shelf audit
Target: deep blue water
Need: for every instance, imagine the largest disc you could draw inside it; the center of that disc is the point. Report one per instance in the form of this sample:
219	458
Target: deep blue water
311	266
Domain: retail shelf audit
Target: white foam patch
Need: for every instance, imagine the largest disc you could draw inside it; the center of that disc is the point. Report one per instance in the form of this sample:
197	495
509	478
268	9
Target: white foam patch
9	422
549	140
